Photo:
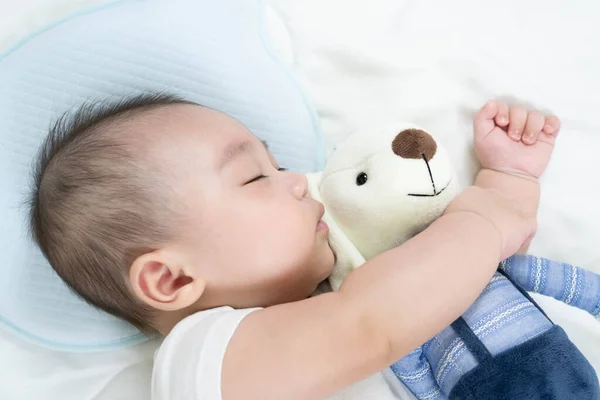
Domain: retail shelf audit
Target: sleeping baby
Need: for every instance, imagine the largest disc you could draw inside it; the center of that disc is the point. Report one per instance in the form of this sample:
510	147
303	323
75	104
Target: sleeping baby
176	218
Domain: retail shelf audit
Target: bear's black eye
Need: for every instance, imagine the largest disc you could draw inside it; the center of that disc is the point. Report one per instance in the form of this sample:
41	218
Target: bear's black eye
361	179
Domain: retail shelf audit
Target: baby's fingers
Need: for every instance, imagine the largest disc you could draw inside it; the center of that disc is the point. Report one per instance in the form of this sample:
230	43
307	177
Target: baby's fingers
518	117
502	114
552	126
483	123
534	125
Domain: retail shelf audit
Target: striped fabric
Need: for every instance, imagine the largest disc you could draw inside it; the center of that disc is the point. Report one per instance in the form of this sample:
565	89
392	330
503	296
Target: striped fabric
572	285
502	318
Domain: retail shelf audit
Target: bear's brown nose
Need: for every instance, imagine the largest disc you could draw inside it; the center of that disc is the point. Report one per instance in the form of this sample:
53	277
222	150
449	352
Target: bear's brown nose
414	143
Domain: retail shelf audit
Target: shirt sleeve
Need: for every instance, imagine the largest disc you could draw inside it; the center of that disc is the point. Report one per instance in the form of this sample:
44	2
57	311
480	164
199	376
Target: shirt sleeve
189	362
572	285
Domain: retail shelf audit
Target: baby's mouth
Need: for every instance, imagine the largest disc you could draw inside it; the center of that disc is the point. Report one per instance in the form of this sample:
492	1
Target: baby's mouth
321	225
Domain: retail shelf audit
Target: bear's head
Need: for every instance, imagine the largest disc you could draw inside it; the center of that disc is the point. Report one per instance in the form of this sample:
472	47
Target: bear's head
382	187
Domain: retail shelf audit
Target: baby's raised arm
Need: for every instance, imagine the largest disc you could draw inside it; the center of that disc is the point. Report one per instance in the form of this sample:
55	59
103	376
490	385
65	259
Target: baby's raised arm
514	146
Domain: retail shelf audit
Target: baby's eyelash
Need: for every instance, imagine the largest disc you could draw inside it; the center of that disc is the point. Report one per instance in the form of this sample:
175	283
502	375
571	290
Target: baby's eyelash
259	177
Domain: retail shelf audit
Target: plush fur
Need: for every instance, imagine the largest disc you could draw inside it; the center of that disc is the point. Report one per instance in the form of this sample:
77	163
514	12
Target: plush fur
379	189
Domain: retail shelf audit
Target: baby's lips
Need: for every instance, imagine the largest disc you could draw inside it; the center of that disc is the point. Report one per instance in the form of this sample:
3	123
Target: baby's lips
321	225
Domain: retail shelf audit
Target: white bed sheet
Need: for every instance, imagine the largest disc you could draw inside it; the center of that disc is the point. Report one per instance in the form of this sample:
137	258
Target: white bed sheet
431	62
435	62
28	372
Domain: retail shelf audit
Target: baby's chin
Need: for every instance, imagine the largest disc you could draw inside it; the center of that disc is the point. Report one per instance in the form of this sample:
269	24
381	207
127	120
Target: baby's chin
319	281
327	268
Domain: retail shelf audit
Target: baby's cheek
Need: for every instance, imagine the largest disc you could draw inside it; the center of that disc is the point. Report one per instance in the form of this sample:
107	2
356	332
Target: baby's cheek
298	240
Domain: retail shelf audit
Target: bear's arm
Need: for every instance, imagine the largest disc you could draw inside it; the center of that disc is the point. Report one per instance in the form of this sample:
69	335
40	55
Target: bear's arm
567	283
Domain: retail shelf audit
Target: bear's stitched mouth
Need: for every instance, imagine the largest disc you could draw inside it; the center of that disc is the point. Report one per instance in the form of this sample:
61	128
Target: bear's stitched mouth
435	192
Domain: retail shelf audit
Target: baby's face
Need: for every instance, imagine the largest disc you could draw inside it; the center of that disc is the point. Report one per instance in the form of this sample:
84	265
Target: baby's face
252	232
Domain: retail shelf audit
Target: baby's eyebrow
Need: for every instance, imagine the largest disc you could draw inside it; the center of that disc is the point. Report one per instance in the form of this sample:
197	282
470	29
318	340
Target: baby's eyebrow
234	150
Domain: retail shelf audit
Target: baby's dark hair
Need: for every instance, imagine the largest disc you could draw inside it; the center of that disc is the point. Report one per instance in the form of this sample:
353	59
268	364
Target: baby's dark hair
96	205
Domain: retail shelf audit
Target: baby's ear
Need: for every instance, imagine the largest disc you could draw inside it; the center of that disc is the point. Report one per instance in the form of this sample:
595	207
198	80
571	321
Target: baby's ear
161	280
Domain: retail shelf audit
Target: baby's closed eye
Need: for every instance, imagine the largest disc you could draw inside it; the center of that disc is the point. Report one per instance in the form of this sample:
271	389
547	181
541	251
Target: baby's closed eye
261	176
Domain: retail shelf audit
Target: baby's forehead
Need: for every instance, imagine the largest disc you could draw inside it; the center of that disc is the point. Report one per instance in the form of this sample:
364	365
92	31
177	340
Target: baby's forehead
184	133
177	124
182	121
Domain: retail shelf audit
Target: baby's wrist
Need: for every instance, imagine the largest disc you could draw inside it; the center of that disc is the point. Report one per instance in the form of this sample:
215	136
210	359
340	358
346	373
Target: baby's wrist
506	181
511	172
478	205
523	188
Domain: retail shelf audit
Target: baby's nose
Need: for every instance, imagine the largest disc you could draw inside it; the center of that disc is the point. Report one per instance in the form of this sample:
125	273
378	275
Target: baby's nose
299	185
414	143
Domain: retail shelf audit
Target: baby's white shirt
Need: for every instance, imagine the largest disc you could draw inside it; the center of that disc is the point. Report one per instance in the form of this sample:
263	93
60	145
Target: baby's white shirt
188	364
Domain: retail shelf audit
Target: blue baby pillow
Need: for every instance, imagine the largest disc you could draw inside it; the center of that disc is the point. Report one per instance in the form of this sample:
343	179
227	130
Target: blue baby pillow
212	52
